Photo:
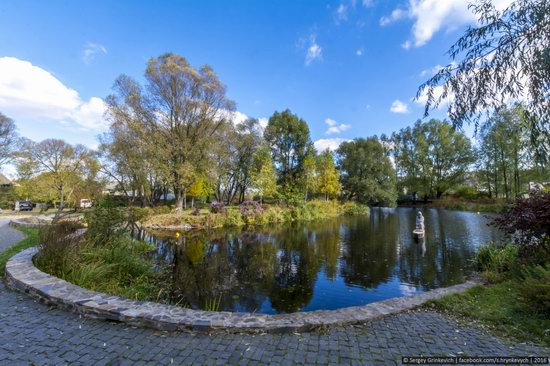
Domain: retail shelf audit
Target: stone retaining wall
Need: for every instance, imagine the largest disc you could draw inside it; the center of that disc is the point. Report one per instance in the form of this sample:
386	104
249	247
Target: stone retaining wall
24	276
21	223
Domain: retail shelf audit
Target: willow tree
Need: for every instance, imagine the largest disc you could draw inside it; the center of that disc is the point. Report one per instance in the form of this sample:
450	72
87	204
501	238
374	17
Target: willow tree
506	57
175	115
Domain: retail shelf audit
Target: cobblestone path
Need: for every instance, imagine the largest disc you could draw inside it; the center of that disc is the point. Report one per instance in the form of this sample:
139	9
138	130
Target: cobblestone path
32	333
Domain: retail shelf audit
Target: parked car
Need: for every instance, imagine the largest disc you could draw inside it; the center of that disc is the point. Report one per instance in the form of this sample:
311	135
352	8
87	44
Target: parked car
23	206
85	203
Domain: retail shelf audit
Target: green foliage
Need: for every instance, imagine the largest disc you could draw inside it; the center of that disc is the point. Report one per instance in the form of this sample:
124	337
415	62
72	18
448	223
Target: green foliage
233	217
30	240
431	157
327	175
496	258
290	143
305	211
468	193
105	223
535	288
493	62
57	244
109	261
264	176
366	172
7	198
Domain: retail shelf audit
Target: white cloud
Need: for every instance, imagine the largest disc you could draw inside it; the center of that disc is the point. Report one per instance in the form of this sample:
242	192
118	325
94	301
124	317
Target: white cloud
331	144
395	15
314	51
30	92
263	122
341	13
368	3
334	127
431	16
399	107
437	92
91	50
359	51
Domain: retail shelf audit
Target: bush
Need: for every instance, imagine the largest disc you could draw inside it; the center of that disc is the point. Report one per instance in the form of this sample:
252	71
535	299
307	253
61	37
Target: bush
161	210
217	207
196	211
468	193
250	210
104	224
535	288
233	217
494	261
528	222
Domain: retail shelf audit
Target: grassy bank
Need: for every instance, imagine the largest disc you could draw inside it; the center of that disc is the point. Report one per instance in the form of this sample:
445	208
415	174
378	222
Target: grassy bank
515	302
233	216
499	308
31	240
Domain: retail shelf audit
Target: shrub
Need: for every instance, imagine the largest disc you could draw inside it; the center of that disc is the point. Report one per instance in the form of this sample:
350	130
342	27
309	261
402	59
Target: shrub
196	211
528	222
161	210
468	193
217	207
250	210
535	288
104	224
354	209
233	217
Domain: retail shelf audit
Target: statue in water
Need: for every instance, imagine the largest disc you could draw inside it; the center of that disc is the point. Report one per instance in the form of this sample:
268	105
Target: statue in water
419	222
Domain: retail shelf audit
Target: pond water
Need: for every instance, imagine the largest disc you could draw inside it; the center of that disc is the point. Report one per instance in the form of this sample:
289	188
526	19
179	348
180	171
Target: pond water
327	264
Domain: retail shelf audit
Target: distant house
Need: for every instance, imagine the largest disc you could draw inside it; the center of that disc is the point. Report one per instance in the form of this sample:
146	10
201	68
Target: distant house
5	182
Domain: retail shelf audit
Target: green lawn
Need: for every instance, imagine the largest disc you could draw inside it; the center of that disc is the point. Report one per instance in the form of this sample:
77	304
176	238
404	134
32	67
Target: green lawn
30	241
498	308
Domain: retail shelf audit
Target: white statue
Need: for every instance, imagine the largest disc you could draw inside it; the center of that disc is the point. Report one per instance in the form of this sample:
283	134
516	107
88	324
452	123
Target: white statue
419	221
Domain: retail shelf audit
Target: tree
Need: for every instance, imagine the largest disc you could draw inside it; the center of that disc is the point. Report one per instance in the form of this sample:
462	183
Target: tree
503	151
289	139
264	177
176	115
327	175
309	173
431	157
63	164
366	172
506	57
8	138
199	189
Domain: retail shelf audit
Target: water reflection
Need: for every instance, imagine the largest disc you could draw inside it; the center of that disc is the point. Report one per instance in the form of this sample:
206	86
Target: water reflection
320	265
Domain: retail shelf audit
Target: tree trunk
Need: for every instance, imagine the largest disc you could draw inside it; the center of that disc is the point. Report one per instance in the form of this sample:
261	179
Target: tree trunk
179	199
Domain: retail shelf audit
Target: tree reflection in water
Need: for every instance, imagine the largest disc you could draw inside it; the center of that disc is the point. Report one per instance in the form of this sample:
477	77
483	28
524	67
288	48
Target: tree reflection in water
324	264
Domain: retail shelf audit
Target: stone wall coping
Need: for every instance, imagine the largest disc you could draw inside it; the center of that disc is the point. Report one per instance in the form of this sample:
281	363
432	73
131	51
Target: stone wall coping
24	276
21	223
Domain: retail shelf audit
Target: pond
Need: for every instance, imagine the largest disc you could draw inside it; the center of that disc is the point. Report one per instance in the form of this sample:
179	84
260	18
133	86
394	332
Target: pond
327	264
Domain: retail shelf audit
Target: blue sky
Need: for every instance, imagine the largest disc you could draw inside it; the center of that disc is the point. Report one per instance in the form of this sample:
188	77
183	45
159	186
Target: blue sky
349	68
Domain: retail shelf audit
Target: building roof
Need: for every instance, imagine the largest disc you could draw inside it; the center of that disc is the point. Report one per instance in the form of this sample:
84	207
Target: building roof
4	181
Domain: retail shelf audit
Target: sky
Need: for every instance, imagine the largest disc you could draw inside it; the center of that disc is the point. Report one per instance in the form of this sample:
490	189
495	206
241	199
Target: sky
349	68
